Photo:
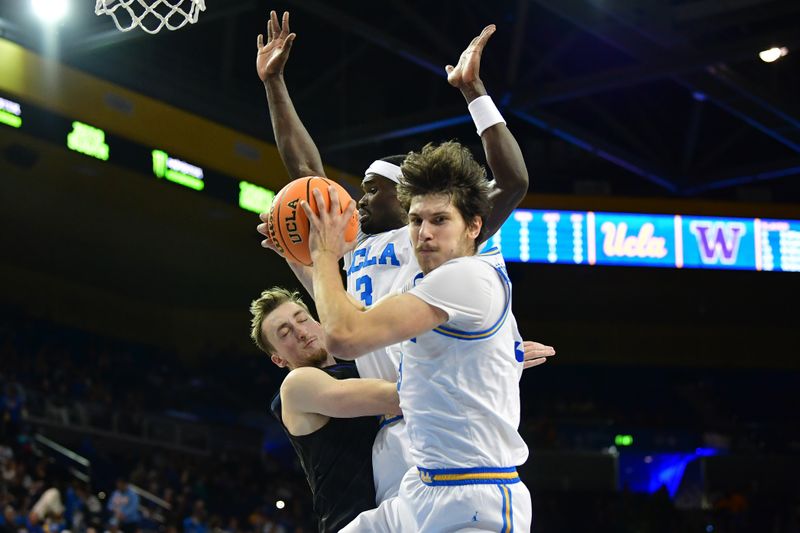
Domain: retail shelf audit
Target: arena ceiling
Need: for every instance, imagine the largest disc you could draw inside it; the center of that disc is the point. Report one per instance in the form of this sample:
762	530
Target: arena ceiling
647	98
637	98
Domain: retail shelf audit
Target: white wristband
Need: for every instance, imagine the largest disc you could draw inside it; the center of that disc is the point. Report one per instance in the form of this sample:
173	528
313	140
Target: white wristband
484	113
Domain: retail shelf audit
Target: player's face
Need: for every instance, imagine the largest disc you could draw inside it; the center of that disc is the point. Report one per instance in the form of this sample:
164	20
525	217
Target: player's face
297	338
439	232
378	209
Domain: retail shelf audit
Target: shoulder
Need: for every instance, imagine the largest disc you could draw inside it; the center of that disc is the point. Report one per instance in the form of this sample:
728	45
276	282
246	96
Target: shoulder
298	388
302	377
400	233
473	267
395	236
459	285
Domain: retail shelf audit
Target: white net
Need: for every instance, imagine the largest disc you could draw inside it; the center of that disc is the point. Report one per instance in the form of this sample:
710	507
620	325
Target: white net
151	15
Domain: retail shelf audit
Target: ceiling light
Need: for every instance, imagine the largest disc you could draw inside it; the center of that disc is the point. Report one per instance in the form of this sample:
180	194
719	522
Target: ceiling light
50	11
773	54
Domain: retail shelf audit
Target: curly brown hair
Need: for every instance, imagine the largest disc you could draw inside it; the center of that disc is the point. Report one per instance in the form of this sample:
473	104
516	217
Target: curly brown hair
447	168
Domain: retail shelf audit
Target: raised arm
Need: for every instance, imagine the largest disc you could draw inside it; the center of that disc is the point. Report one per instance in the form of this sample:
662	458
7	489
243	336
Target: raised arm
503	154
298	151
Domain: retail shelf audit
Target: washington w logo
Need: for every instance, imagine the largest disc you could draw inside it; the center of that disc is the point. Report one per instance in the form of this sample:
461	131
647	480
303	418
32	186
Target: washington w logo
718	242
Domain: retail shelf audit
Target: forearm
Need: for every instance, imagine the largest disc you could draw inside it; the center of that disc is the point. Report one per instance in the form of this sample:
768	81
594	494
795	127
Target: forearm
504	157
364	397
337	314
298	151
304	275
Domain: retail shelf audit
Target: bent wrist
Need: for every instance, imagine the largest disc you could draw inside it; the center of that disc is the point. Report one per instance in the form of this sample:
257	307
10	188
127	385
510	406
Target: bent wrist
324	254
272	78
473	90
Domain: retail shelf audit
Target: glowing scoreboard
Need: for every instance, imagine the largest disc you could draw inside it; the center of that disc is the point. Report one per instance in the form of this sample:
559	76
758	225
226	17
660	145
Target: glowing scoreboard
649	240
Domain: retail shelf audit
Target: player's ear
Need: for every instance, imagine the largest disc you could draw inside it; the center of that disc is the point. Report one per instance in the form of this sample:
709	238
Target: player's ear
279	361
474	227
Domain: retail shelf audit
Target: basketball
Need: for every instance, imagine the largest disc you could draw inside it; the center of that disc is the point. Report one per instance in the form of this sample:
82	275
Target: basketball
288	225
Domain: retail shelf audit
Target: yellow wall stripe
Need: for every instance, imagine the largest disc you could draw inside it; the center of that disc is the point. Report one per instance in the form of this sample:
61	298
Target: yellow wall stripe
75	94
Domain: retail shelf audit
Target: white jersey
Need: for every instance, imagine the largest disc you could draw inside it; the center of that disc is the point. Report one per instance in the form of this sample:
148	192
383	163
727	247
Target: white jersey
376	268
459	383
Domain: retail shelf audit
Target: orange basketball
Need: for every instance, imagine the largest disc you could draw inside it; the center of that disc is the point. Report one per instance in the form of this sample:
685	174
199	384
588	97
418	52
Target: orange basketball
288	225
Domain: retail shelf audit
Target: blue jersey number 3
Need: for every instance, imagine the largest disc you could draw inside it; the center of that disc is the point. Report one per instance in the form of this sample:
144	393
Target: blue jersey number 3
365	282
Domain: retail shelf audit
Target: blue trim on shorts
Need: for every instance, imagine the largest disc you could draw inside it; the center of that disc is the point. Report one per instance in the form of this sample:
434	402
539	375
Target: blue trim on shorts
468	476
503	508
508	509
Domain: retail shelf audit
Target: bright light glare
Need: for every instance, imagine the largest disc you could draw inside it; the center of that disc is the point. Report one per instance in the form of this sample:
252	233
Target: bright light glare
280	504
773	54
50	11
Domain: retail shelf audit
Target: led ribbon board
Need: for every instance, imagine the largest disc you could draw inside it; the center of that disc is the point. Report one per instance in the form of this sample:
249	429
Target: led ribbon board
536	236
94	142
254	198
88	140
177	171
649	240
10	113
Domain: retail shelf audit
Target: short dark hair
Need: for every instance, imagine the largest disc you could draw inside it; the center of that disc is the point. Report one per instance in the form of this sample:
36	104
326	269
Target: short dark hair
394	159
448	168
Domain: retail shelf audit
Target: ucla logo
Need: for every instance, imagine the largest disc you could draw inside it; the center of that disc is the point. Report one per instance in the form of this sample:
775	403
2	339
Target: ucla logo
617	242
718	242
362	258
291	223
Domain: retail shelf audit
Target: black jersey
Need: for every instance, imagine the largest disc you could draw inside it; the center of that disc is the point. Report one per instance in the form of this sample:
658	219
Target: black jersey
337	460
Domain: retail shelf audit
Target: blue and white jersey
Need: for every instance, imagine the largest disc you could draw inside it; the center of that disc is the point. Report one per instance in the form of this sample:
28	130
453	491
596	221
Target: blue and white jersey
375	268
459	383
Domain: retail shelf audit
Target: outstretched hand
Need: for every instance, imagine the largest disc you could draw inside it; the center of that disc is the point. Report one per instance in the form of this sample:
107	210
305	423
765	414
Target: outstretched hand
272	57
535	354
467	71
327	230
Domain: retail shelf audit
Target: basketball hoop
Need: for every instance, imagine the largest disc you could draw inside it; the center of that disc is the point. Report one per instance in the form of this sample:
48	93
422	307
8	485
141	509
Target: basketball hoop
151	15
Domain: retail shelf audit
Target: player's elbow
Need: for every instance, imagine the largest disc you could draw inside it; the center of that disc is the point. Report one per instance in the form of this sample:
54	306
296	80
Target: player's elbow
518	184
306	168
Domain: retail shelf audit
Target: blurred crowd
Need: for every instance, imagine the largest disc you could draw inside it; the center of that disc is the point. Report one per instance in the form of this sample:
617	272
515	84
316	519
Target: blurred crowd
81	379
153	491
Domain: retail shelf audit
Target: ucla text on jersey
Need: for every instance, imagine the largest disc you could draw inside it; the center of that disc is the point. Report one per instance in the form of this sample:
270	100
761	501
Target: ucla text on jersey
362	258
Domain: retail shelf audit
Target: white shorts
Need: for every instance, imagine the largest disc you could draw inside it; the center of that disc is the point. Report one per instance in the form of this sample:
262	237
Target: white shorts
389	517
391	458
455	504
